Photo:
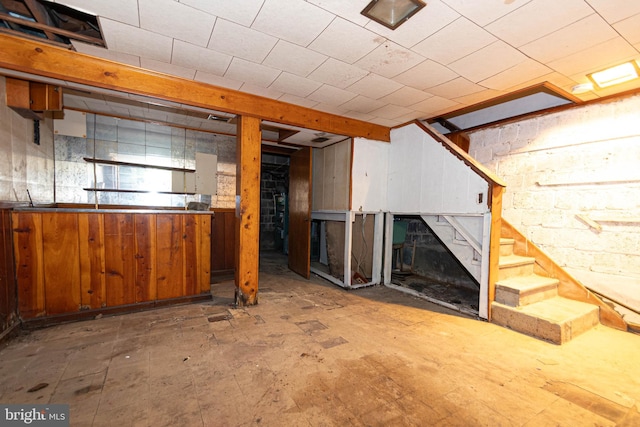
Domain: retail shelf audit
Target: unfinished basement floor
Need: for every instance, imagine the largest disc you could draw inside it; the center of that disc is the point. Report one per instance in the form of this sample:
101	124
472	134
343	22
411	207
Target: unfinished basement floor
313	354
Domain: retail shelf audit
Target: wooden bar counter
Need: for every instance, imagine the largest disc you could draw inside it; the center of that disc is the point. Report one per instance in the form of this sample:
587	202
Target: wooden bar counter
79	262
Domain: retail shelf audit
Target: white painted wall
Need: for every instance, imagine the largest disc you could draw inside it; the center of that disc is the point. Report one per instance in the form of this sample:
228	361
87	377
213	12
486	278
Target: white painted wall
424	177
583	162
23	164
369	175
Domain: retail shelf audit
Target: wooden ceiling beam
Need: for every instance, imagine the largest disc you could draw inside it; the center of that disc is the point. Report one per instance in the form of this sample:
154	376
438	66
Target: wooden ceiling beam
50	61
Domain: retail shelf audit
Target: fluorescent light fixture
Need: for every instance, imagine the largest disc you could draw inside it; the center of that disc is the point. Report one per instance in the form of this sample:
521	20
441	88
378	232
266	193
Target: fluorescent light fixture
615	75
392	13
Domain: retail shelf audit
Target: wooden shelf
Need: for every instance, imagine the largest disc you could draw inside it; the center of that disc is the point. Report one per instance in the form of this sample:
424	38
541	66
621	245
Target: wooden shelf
116	190
139	165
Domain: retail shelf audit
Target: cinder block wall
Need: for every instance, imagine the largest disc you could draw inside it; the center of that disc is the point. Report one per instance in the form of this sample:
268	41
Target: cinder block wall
566	169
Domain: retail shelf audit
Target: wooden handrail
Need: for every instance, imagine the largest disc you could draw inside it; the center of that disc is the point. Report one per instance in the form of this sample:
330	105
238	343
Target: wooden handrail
494	204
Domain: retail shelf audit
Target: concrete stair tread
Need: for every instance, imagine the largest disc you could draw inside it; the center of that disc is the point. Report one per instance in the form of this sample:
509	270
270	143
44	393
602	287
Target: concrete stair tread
527	283
557	309
514	260
506	241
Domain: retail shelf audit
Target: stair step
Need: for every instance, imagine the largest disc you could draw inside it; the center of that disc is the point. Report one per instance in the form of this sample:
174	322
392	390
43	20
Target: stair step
524	290
515	265
557	319
506	246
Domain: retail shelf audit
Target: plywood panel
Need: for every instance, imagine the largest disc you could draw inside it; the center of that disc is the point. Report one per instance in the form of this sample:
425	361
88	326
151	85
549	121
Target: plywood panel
120	266
342	174
204	253
27	240
223	240
169	262
145	256
369	175
300	212
92	260
8	294
190	259
318	179
61	262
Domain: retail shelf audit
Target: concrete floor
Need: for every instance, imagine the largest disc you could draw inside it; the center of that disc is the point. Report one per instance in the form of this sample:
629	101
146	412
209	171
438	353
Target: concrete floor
312	354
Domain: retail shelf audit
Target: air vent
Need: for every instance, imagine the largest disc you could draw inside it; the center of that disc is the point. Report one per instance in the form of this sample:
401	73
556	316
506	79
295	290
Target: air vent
320	139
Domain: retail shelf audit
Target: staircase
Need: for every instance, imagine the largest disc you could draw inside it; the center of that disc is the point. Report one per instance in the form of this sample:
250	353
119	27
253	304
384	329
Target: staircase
464	246
529	303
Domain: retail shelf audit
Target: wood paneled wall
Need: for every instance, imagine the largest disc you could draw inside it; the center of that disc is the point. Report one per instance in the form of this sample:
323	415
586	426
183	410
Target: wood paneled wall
72	261
223	242
8	293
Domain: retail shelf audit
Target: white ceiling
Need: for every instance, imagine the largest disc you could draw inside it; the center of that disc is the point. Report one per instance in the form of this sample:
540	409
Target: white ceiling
325	55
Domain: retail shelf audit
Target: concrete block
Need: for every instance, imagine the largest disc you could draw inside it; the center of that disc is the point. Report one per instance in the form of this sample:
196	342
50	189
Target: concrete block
524	290
514	265
557	320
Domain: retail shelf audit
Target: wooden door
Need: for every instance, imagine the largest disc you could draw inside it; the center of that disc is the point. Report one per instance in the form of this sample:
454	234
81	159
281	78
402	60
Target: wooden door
300	212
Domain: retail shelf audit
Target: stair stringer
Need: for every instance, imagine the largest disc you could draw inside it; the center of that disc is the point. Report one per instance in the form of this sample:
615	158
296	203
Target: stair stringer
568	286
460	242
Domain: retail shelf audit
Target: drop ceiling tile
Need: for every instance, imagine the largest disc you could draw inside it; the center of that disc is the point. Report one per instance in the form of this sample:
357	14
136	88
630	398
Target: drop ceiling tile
293	58
331	95
389	60
347	9
434	105
261	91
630	28
241	12
124	11
111	55
362	104
406	96
610	53
215	80
199	58
456	40
427	21
303	102
171	69
488	61
428	73
295	85
332	41
176	20
295	21
385	122
409	117
524	71
359	116
478	97
455	88
135	41
251	72
329	108
391	112
537	19
574	38
374	86
337	73
615	10
484	12
243	42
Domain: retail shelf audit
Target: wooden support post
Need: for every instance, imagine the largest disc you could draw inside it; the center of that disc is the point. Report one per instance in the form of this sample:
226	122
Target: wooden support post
494	245
247	210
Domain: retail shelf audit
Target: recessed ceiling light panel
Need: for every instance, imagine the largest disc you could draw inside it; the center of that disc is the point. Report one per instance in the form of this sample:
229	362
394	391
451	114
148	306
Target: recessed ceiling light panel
392	13
615	75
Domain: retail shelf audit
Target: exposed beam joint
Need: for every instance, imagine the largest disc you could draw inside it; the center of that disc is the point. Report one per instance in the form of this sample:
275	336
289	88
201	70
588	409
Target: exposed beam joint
40	59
